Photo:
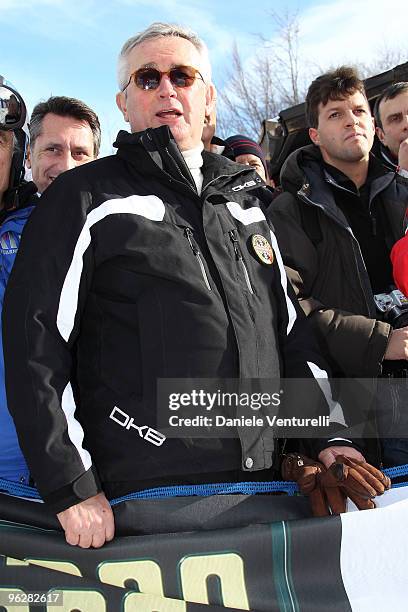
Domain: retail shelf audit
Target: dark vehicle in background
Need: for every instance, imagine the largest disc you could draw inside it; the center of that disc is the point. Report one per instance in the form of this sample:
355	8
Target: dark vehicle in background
288	131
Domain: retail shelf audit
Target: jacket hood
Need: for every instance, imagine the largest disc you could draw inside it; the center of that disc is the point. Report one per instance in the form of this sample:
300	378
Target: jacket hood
293	173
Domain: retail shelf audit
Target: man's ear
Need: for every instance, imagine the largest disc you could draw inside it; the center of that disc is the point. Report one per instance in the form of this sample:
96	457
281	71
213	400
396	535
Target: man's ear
210	99
122	105
28	157
380	134
314	136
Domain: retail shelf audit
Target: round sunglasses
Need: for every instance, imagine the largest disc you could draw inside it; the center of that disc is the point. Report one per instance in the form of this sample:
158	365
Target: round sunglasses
149	78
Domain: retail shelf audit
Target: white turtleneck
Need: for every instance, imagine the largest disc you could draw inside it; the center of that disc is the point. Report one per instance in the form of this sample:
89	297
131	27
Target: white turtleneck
194	161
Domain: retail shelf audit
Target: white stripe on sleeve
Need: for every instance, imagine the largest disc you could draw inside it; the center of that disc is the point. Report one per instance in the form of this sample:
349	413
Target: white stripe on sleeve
75	431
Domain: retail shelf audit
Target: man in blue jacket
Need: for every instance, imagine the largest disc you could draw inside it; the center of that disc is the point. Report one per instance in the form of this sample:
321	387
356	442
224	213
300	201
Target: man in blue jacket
17	200
65	133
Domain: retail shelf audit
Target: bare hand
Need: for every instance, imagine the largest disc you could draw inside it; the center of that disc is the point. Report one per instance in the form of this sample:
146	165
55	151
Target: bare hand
89	523
398	344
328	455
403	155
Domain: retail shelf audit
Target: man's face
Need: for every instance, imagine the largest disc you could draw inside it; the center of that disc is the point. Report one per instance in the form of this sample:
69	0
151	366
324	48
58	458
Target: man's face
345	131
64	143
6	155
248	159
394	119
182	109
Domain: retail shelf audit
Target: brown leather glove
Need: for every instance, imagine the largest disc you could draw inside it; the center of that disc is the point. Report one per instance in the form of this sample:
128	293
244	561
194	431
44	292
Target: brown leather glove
305	472
328	489
358	480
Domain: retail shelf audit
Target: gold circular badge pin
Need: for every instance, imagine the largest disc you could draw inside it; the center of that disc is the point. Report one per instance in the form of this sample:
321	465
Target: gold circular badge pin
262	249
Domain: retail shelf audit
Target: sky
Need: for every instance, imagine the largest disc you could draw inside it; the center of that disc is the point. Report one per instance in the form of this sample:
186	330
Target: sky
70	47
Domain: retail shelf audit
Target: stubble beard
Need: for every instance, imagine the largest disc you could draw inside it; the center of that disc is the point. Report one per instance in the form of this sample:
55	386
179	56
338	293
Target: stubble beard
352	154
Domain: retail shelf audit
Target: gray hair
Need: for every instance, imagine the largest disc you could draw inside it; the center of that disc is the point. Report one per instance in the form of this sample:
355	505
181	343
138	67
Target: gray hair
65	107
155	30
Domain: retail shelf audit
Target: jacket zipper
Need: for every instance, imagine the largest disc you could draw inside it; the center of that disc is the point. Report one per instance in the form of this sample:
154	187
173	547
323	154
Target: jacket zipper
191	183
185	183
189	235
192	186
239	258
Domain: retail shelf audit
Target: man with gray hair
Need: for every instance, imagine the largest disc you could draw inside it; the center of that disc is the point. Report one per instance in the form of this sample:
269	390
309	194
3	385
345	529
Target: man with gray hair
164	266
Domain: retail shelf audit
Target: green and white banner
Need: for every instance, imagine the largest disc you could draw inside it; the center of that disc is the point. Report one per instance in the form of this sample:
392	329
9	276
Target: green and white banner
355	562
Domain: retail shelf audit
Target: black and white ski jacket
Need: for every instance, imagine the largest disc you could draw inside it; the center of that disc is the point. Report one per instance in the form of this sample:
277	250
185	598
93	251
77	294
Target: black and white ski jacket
126	275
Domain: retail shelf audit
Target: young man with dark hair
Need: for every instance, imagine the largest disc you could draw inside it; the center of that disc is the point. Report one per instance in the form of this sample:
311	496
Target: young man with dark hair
335	85
336	222
391	118
64	133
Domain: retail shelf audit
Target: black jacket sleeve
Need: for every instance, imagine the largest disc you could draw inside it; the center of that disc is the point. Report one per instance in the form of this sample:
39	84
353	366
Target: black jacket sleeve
40	325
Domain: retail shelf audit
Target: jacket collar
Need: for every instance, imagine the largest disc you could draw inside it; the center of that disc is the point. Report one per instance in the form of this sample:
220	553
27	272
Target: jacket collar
388	158
304	173
24	197
164	153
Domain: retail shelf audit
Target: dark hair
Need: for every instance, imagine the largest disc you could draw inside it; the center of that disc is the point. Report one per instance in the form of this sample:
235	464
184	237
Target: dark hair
65	107
388	94
334	85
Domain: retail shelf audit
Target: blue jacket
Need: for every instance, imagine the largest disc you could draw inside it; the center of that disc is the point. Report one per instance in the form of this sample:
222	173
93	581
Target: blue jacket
12	463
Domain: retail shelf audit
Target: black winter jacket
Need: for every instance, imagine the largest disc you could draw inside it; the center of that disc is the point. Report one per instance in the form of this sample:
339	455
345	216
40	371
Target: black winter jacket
327	269
125	267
